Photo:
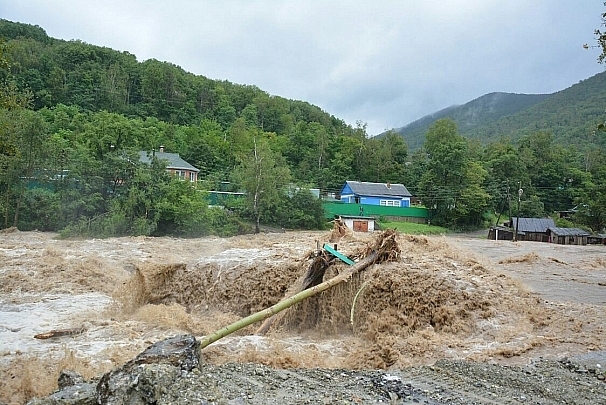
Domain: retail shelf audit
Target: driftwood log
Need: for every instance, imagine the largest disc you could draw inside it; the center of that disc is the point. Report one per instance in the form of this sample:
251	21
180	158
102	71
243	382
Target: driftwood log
59	332
385	249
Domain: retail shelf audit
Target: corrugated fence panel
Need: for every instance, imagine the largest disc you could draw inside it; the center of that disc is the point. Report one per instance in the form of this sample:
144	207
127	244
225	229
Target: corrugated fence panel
337	208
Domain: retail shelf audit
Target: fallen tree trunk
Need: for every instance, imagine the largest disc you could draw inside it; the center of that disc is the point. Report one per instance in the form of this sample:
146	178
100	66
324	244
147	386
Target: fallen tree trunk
59	332
385	249
313	277
288	302
315	271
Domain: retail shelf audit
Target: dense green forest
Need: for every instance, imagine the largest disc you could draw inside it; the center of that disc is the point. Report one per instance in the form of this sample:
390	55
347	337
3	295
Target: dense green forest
472	116
73	117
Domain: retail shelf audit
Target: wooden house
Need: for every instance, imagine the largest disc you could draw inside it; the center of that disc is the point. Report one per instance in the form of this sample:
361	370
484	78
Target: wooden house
500	233
568	236
599	239
382	194
531	229
174	164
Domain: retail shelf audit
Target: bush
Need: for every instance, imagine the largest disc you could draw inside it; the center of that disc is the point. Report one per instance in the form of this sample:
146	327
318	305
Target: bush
301	211
40	210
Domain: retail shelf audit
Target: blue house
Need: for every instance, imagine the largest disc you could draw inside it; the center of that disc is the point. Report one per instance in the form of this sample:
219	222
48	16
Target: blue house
383	194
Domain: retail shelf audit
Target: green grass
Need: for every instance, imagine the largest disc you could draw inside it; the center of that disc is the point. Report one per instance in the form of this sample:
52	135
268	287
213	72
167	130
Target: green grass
413	228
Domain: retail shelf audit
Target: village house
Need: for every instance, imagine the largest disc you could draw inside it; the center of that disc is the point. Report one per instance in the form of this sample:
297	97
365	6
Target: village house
367	202
532	229
382	194
599	239
360	203
529	229
568	236
539	230
174	164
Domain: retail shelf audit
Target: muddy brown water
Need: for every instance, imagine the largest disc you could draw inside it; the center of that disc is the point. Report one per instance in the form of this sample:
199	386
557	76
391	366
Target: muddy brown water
566	273
447	297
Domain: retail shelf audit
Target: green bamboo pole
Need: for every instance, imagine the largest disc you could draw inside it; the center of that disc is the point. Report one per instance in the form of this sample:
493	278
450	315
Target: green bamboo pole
353	305
288	302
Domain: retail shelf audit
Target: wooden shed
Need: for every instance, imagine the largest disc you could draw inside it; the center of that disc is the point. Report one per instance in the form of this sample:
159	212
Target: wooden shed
568	236
532	229
599	239
500	233
359	223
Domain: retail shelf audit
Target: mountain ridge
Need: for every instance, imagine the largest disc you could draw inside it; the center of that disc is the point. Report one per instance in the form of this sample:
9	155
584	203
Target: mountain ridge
569	114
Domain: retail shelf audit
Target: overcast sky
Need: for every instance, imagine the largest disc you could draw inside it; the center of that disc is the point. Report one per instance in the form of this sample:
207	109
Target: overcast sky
385	63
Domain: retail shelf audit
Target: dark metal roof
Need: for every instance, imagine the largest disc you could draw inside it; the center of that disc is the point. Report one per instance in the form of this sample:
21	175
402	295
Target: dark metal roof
532	224
378	189
173	160
356	217
569	231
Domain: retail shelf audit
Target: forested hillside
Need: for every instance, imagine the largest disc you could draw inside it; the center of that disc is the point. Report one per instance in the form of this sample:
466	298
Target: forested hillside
74	117
90	104
571	115
471	116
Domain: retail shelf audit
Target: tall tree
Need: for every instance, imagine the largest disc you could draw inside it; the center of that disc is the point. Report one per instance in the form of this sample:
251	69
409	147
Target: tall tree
263	175
552	172
452	184
21	140
23	137
590	200
601	38
385	158
505	169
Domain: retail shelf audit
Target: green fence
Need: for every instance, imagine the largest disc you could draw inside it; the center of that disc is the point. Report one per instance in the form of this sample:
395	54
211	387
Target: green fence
332	209
220	197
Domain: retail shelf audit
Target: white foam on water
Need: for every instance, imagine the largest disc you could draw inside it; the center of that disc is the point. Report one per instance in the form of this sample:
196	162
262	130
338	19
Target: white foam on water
19	323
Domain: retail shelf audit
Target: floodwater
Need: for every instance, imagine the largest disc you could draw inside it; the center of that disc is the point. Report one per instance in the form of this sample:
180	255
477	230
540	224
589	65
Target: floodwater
453	297
569	273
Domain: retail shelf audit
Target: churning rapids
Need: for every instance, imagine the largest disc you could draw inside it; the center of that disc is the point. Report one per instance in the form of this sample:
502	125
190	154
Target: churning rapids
452	298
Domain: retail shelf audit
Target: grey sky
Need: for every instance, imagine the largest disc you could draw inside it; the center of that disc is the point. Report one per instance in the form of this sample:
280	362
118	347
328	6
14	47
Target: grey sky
381	62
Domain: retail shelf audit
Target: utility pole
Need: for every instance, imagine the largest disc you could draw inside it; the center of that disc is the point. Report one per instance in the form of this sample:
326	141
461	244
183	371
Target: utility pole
508	200
520	191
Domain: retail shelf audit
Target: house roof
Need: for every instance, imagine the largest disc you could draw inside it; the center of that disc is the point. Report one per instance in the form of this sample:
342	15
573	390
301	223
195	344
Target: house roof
569	231
356	217
378	189
174	161
532	224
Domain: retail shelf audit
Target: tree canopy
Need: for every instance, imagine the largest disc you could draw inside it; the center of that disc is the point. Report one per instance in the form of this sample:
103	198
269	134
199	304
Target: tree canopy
74	116
601	38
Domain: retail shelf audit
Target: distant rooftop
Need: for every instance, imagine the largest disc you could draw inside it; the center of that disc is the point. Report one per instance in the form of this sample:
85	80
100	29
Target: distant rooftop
569	231
173	160
532	224
378	189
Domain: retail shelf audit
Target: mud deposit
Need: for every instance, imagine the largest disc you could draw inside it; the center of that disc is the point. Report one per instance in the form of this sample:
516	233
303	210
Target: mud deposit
455	319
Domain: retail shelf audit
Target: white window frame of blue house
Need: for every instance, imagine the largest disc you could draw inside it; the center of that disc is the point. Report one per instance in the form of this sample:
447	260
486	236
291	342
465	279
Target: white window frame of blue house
347	197
390	203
